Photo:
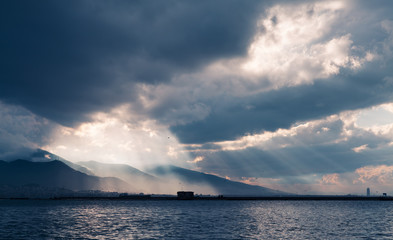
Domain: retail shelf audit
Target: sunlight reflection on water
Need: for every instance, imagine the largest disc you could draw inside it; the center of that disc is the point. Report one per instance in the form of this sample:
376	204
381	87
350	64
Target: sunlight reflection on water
151	219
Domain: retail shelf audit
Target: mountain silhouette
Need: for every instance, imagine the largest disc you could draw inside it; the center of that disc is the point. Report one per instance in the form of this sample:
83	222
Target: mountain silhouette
170	179
55	174
138	180
50	170
220	185
44	156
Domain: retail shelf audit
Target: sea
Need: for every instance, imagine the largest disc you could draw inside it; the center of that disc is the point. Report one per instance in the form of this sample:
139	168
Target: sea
195	219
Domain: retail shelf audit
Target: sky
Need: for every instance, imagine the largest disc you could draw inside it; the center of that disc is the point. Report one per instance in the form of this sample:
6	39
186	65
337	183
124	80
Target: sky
291	95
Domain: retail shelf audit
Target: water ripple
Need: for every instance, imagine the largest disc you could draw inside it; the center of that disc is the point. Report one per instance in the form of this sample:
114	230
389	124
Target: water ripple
72	219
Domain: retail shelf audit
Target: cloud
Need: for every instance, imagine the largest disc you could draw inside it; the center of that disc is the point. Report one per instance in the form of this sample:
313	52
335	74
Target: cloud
289	51
296	77
64	61
21	132
185	64
376	177
285	106
325	146
360	148
381	174
116	138
275	92
330	179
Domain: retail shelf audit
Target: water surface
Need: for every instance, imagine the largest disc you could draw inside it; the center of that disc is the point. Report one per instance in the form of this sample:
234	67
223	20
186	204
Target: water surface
199	219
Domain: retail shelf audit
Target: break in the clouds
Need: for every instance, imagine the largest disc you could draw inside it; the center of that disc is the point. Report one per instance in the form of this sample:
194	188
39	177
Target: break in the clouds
287	94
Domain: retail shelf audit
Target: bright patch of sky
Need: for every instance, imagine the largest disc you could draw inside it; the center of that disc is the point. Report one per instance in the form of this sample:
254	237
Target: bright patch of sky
111	138
376	116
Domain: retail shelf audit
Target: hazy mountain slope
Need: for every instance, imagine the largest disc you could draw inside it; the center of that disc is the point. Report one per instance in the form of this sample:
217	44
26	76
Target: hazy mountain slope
220	185
55	174
79	176
44	156
140	181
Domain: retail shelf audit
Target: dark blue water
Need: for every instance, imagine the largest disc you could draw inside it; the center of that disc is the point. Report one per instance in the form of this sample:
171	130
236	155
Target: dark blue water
49	219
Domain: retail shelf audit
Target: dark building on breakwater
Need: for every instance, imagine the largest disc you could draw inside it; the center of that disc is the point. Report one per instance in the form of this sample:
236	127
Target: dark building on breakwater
185	195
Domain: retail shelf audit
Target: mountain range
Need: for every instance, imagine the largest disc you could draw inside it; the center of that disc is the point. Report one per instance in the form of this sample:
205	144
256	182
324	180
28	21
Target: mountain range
218	184
40	169
55	174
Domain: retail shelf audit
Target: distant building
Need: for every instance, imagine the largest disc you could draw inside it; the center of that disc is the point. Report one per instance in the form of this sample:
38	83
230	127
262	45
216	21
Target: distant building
368	192
384	194
185	195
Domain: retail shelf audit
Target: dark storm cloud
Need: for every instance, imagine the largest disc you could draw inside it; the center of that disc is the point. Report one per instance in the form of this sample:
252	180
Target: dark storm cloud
64	59
283	107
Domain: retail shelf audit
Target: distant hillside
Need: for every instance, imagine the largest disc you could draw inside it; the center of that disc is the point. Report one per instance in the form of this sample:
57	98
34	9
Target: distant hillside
55	174
138	180
92	175
44	156
220	185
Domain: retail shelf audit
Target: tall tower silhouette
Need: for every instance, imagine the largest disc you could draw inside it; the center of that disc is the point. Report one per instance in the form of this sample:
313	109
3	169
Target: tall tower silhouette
368	192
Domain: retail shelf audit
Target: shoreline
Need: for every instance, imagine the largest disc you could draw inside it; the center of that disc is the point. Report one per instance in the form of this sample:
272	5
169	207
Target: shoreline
222	198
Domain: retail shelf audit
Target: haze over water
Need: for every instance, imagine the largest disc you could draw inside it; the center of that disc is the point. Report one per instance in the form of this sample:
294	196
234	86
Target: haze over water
49	219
